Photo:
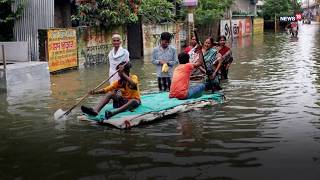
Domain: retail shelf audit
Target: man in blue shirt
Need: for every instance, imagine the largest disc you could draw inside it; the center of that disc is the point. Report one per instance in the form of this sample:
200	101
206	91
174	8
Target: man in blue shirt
164	57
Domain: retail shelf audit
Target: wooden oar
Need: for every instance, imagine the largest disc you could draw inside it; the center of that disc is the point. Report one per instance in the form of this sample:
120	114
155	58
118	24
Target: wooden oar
204	62
60	113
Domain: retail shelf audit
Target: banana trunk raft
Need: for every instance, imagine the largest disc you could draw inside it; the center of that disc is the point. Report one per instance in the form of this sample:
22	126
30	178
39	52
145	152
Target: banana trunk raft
153	106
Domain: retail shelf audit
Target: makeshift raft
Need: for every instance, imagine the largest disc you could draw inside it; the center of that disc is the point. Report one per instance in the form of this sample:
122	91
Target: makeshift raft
153	106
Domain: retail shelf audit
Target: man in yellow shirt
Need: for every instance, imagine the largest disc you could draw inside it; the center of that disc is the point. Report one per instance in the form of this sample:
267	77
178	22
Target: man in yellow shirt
129	98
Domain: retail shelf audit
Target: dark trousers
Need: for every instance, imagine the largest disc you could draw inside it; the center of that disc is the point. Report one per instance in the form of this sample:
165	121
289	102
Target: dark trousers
164	83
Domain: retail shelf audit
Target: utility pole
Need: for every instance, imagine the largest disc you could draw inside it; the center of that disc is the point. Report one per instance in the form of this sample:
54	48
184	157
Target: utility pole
190	23
191	5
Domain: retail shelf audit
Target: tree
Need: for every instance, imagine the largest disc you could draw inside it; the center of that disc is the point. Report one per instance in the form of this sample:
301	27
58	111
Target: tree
107	13
7	18
296	6
157	11
209	10
272	8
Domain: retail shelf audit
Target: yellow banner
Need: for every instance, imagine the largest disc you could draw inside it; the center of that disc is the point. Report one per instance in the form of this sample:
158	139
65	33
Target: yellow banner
62	49
258	24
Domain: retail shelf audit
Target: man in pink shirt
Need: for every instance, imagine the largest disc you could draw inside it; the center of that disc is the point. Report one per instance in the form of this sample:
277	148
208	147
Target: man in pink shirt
180	86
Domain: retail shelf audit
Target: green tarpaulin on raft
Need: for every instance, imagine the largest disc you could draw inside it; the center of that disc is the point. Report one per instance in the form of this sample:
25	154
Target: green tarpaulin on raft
156	102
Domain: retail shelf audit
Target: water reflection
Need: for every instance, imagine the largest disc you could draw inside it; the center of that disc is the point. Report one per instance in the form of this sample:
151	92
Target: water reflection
20	98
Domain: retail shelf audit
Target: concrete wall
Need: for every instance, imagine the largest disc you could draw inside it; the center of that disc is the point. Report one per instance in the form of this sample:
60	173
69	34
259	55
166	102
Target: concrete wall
210	29
15	51
94	44
26	82
24	74
151	36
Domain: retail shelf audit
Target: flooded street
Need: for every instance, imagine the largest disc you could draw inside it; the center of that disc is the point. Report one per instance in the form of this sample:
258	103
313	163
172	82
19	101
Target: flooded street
269	128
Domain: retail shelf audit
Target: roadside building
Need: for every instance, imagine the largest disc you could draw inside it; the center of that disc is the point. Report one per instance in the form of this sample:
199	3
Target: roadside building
311	9
244	8
242	13
40	14
259	4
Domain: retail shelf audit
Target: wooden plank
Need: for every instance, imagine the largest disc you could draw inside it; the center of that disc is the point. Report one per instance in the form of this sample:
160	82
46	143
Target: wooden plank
135	120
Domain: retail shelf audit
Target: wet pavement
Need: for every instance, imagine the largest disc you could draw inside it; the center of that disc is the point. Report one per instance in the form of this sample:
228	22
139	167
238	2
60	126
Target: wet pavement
269	129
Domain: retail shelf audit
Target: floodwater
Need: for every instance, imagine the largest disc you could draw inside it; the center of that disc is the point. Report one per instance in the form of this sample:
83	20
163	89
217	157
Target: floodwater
269	128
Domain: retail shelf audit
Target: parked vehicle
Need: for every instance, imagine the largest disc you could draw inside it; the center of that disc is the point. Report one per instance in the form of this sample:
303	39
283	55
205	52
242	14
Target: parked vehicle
306	21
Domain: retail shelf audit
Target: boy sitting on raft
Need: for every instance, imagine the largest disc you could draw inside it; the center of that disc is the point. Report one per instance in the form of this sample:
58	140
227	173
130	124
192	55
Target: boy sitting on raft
129	98
180	86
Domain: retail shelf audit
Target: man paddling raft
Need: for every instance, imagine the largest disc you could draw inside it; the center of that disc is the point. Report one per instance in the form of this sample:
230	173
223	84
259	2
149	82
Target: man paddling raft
129	98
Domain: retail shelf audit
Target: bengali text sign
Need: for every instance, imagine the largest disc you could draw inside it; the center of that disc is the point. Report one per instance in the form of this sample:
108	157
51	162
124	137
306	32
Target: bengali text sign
62	49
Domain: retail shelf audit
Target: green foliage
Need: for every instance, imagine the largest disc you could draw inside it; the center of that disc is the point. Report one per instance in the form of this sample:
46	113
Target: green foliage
110	12
8	16
157	11
209	10
278	8
297	7
107	13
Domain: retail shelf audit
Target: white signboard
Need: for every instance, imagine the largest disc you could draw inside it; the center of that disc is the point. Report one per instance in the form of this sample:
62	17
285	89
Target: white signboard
238	27
225	28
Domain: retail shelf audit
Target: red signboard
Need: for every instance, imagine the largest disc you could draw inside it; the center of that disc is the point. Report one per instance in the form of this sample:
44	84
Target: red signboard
298	16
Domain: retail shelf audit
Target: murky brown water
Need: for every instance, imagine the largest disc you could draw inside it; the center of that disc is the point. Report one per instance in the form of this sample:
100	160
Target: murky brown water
270	128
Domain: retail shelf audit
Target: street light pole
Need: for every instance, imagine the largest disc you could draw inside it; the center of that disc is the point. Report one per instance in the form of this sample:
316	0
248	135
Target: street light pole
191	5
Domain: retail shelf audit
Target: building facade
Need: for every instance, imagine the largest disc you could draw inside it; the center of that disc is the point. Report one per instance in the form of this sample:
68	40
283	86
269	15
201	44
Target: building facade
244	7
311	9
37	14
240	25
